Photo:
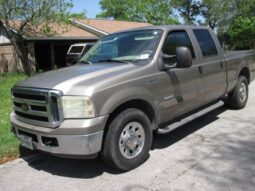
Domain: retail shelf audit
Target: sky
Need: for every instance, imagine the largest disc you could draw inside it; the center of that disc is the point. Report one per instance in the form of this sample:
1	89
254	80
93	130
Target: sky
91	6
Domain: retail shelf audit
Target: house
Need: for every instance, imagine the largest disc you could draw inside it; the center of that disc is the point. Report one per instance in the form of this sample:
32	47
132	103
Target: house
49	52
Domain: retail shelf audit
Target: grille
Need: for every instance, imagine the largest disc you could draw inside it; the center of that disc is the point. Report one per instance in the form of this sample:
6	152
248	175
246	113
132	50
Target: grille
37	106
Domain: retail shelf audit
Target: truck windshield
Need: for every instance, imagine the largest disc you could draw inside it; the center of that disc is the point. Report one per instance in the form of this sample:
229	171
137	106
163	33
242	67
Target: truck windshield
126	46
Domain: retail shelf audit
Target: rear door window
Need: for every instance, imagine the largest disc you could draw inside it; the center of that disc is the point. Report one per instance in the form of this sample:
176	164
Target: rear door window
176	39
206	42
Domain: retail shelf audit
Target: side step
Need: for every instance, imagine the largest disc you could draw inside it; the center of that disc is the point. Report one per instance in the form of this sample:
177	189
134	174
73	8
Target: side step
190	118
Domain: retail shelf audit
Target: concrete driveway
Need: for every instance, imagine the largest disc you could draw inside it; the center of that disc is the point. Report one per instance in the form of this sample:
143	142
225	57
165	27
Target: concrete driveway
214	152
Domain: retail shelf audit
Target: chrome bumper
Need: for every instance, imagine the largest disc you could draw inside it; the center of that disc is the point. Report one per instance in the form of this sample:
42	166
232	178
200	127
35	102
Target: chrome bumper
76	138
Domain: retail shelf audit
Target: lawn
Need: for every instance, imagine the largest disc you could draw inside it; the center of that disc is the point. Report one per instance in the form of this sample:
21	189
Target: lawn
9	145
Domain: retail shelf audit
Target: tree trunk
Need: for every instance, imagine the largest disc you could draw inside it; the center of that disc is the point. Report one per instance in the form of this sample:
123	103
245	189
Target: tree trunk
22	51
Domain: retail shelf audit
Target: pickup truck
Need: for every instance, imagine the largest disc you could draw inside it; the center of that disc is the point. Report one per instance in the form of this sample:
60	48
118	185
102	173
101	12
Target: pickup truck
129	85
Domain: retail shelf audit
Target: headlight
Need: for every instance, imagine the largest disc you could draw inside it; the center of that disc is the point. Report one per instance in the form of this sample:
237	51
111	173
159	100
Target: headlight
77	107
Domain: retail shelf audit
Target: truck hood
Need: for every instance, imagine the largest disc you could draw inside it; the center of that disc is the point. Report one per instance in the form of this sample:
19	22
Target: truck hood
78	78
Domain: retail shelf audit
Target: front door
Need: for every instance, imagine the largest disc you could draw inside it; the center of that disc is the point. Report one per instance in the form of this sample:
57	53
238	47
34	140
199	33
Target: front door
182	89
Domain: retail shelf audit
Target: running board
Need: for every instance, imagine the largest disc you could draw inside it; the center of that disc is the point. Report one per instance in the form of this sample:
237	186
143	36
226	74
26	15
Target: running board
190	118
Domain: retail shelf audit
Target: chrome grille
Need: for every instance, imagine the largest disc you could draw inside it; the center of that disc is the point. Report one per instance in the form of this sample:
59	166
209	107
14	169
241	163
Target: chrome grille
37	106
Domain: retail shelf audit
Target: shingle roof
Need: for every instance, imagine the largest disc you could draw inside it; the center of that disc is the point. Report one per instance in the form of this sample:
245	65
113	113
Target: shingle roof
111	26
72	31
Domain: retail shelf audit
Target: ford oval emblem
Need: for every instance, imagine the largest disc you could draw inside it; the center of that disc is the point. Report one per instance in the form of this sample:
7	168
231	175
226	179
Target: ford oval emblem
25	107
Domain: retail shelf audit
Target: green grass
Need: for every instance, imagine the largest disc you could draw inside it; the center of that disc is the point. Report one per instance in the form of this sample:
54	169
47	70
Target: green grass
9	145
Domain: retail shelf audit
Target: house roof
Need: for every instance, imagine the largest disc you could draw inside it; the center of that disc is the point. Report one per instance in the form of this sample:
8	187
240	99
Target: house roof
111	26
78	29
61	31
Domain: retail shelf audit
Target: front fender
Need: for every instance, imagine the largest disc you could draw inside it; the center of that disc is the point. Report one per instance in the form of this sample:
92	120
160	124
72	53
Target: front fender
128	94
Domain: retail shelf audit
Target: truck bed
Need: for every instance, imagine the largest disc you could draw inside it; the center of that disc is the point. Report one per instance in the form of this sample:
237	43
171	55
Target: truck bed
236	60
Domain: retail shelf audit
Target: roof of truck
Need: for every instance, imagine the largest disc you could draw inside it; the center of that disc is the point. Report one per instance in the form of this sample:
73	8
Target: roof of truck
167	27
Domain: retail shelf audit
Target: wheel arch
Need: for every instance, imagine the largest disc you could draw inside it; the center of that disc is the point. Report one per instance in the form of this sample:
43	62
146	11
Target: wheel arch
140	104
245	71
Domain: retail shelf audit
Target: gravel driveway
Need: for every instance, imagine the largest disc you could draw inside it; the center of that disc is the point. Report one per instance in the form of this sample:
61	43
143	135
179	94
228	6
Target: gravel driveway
214	152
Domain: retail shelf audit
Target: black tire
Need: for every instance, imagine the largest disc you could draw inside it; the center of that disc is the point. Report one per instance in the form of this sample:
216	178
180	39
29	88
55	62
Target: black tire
235	99
111	152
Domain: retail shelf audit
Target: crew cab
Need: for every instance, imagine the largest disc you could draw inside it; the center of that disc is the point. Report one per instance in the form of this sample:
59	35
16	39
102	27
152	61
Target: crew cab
127	86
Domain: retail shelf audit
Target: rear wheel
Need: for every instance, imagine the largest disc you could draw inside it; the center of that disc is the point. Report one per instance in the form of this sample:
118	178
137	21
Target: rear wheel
128	140
239	97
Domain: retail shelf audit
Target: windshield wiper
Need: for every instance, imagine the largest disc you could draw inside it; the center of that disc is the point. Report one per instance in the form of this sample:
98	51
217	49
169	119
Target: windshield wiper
84	62
112	60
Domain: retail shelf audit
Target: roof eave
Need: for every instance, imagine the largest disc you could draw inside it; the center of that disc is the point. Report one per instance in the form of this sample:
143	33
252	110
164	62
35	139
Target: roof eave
59	38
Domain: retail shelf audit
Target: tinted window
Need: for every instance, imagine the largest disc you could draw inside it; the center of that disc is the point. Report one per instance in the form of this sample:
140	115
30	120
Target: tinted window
206	42
177	39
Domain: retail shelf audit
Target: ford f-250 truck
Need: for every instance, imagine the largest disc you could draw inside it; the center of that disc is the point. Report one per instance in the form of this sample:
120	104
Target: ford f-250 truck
127	86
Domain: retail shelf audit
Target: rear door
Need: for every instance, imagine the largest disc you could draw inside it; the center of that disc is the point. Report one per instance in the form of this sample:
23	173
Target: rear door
212	65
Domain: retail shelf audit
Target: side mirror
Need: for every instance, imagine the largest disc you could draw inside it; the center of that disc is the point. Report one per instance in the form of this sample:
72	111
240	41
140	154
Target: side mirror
183	57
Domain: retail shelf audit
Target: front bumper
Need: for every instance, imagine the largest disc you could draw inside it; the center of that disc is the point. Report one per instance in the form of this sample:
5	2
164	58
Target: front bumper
75	138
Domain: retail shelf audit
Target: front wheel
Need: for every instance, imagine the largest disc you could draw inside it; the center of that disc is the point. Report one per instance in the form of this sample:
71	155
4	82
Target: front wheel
238	98
128	140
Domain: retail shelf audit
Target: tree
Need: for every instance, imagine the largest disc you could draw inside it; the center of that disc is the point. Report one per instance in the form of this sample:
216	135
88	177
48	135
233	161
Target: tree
220	14
117	9
188	10
217	13
242	33
232	19
244	8
81	15
20	16
156	12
